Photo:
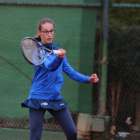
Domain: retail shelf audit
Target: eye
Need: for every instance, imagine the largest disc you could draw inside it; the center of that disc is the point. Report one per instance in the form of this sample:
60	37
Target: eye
45	32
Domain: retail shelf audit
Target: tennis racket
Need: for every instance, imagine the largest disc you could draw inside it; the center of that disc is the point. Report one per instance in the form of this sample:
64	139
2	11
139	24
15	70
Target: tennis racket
34	52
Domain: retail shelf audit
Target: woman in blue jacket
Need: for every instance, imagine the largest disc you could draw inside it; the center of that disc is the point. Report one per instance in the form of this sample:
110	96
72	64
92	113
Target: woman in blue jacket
46	85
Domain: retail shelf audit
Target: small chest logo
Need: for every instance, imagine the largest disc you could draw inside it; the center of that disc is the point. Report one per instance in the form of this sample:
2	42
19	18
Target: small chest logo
45	103
62	104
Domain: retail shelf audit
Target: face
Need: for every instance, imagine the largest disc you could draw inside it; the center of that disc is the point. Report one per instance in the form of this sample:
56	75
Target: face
46	33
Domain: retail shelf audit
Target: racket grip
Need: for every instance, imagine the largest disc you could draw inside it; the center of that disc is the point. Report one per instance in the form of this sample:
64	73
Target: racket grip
56	52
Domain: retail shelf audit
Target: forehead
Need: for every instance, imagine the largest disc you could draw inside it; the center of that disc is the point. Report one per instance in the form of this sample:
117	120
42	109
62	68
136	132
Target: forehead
47	26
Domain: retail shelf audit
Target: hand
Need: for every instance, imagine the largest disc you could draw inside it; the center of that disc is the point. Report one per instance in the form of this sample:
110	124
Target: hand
62	54
93	78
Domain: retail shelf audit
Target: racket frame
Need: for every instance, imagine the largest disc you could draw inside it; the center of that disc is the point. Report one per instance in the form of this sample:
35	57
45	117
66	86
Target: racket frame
43	48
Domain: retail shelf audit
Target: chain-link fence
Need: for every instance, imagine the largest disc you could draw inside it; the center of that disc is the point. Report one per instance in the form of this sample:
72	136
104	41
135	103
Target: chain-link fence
123	72
80	28
75	29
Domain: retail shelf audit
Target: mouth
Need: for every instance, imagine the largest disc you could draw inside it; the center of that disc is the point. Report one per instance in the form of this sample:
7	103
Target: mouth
49	39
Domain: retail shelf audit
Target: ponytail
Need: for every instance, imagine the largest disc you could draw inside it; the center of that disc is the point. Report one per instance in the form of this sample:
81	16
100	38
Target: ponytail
37	37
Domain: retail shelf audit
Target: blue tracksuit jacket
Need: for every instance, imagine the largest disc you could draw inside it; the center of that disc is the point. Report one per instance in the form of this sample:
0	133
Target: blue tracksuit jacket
48	79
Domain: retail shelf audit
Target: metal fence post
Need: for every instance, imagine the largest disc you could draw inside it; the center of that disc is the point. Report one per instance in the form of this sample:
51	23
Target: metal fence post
102	96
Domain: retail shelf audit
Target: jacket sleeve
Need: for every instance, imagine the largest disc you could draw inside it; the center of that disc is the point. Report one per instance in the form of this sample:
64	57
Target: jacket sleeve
74	74
52	64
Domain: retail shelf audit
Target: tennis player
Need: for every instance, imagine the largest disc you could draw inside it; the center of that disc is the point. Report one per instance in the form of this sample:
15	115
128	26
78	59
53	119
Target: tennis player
46	85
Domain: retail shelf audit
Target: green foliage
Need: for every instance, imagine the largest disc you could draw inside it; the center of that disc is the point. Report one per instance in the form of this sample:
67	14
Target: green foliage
124	55
124	16
124	1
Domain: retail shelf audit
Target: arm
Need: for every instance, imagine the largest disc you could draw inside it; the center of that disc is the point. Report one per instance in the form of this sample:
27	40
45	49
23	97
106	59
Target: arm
53	65
74	74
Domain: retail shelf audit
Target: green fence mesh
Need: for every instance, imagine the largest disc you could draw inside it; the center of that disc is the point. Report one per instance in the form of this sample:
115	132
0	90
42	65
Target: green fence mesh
80	29
75	29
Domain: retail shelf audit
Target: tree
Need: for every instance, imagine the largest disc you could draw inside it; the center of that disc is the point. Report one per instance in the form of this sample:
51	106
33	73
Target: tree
123	72
124	16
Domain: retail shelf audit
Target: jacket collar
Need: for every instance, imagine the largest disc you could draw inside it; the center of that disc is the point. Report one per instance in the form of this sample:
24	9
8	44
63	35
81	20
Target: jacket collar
48	46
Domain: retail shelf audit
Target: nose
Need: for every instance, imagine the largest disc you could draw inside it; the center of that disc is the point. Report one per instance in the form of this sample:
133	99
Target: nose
49	34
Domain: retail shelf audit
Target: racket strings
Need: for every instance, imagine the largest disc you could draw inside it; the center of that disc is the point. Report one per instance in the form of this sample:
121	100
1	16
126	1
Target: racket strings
32	51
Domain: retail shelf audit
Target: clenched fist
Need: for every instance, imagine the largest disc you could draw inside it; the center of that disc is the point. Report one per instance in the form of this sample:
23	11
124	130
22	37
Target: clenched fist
62	54
93	78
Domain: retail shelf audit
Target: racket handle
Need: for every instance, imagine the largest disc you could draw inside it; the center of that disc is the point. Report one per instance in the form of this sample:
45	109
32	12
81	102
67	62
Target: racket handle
56	52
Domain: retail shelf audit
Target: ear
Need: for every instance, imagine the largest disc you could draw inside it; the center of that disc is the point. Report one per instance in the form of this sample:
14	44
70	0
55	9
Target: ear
39	32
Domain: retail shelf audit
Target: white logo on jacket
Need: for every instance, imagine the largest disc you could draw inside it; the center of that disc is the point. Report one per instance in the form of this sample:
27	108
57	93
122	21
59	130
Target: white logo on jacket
45	103
62	104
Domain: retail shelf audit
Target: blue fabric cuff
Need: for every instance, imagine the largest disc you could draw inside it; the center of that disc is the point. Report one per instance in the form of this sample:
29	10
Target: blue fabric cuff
87	79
